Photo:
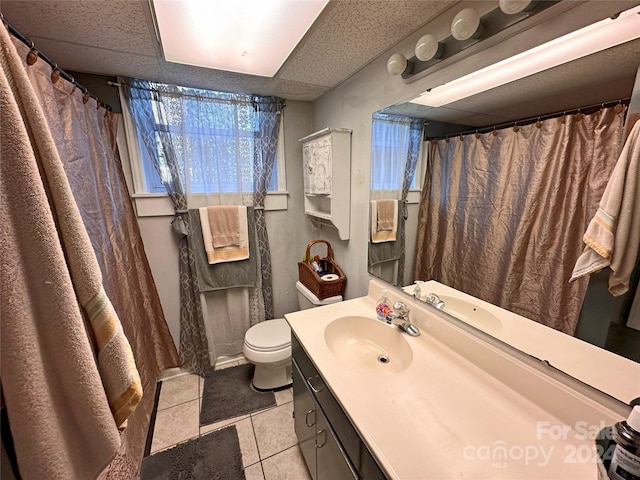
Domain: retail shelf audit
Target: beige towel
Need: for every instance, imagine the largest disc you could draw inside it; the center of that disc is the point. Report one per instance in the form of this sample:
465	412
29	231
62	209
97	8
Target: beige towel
384	220
224	225
613	235
387	215
230	253
60	417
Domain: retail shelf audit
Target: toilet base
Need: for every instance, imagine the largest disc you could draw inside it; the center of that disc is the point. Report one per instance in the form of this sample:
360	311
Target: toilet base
268	377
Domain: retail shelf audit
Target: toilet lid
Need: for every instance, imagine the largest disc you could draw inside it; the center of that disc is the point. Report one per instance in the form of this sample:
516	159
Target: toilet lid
269	335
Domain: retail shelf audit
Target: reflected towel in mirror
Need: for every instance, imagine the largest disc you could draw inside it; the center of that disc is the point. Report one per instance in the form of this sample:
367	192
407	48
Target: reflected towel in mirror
384	220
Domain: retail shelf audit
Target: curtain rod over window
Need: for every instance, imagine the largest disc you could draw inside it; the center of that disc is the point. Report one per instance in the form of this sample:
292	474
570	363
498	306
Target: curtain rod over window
526	121
125	83
69	78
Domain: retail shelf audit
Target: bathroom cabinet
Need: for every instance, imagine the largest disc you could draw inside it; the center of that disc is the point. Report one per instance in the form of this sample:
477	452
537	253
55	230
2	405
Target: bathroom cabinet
329	443
326	157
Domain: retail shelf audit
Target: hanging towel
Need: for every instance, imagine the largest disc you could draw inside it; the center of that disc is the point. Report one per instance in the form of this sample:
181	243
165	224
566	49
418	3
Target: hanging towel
384	220
223	275
613	235
229	253
224	225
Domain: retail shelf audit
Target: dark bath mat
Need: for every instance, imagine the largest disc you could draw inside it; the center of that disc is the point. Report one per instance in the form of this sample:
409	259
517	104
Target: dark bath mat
216	455
228	394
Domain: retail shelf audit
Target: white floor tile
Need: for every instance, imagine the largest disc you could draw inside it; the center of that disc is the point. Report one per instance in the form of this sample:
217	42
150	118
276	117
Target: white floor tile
175	424
181	389
222	423
254	472
247	440
287	465
274	430
283	396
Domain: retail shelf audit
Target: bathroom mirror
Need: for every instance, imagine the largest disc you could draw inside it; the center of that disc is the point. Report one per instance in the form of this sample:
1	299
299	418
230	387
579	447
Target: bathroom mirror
604	77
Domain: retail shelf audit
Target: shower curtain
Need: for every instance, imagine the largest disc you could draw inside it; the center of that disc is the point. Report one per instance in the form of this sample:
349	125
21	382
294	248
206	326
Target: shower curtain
85	137
502	214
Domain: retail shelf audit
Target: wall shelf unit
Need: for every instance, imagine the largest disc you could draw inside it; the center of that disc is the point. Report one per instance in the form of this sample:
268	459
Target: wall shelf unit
326	157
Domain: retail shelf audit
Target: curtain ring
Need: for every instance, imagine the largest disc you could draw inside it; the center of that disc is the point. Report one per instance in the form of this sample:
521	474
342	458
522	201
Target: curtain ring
461	138
563	118
578	116
495	132
32	56
55	73
446	140
477	134
516	128
85	95
539	123
619	108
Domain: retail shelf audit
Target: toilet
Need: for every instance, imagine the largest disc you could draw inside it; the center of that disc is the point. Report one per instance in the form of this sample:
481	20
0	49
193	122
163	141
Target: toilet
268	345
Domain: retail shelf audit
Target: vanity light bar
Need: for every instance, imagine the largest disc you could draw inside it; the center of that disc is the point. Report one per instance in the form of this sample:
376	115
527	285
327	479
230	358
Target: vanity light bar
585	41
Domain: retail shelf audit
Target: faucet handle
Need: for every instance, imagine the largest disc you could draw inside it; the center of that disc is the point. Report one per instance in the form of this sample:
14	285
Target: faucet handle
401	308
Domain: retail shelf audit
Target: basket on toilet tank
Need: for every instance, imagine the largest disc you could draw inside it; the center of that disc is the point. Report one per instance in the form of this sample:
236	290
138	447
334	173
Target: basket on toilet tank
329	287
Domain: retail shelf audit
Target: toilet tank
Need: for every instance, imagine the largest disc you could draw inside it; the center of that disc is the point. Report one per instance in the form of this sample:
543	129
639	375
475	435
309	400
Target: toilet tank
306	299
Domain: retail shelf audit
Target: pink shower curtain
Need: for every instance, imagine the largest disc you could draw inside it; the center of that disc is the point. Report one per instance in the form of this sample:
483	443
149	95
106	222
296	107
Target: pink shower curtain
502	215
86	140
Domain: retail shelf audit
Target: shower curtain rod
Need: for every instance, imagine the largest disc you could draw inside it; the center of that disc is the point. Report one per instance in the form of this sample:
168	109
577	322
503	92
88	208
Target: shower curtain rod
527	121
63	74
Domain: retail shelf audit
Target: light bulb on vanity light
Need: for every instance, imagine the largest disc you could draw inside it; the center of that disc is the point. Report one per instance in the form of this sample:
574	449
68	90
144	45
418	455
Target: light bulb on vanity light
511	7
396	64
466	24
428	47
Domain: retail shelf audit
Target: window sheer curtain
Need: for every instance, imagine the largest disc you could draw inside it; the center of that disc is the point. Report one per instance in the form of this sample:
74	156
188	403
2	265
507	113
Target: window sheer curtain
502	214
85	137
211	148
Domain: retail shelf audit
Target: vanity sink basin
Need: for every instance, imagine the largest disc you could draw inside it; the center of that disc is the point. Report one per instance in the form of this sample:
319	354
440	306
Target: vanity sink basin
368	344
471	314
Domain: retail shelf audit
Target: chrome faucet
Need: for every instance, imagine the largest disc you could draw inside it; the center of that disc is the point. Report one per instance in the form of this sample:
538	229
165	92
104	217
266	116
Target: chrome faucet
434	300
400	318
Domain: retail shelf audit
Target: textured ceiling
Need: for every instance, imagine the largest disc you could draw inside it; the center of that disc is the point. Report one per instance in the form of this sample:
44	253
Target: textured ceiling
117	37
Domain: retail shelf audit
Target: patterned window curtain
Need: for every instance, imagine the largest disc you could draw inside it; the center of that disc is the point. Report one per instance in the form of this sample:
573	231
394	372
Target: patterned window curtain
194	351
416	131
269	114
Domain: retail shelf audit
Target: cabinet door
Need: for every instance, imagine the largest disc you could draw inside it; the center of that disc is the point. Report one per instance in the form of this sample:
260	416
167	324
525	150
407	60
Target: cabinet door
316	157
332	463
304	412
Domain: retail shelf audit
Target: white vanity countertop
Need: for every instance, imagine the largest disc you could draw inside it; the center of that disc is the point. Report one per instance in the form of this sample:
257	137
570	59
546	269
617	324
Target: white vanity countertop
463	408
610	373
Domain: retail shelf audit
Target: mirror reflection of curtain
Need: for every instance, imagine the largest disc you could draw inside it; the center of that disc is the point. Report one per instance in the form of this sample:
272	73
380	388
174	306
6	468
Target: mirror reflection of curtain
502	214
395	149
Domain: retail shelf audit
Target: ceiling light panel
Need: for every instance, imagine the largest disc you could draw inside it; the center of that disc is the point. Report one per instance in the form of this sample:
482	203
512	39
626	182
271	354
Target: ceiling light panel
246	36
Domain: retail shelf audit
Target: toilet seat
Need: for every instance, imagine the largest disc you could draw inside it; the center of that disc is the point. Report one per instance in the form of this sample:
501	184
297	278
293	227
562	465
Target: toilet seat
269	336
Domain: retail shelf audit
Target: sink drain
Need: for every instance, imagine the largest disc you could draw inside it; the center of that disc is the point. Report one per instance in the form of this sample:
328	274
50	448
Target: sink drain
383	359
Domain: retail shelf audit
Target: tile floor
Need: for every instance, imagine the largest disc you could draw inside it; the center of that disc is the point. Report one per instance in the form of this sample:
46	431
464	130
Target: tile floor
267	439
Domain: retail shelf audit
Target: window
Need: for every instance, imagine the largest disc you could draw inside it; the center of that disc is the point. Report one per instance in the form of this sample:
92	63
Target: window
213	135
389	148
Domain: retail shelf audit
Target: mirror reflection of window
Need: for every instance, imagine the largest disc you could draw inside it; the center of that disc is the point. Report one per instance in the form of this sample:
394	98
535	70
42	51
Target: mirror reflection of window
389	147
